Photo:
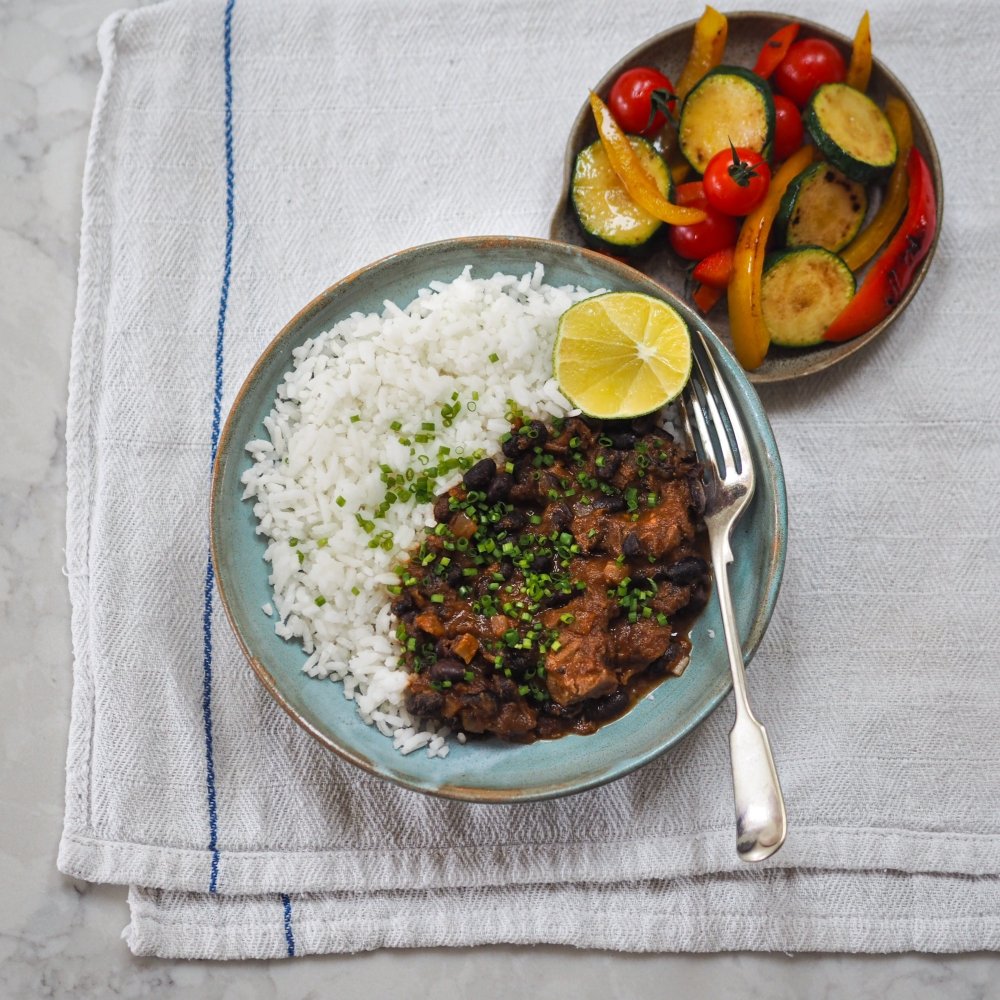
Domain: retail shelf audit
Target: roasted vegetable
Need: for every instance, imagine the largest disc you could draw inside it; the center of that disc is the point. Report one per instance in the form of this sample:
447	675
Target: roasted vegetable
890	276
821	208
895	200
774	50
803	291
608	216
729	105
715	270
707	48
808	64
860	69
746	319
637	181
851	131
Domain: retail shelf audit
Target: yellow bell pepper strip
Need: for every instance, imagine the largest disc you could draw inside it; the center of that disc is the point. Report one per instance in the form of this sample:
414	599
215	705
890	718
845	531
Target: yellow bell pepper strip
860	69
867	243
679	170
707	48
746	317
891	274
640	186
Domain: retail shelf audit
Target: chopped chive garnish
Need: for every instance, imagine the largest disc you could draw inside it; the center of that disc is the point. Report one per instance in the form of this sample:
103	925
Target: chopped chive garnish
320	601
355	418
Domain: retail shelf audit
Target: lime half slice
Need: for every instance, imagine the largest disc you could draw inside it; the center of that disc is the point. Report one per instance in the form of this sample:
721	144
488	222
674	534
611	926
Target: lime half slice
622	354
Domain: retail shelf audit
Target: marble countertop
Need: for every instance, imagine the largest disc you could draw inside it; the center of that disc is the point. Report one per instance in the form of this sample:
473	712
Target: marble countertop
61	938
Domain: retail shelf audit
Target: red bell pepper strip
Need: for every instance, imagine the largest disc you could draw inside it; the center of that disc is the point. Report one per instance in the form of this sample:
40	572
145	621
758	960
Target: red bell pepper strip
895	267
775	49
705	297
716	269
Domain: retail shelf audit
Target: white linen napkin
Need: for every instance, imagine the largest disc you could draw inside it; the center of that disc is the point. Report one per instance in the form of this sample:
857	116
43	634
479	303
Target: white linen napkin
244	156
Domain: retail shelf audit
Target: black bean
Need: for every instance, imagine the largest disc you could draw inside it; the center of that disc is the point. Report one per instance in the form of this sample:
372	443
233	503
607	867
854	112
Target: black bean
520	660
562	711
663	663
631	546
480	475
609	706
500	488
505	687
542	564
403	604
512	522
442	509
454	576
623	441
447	670
611	504
516	445
540	433
699	597
424	703
507	568
686	571
612	460
556	600
561	516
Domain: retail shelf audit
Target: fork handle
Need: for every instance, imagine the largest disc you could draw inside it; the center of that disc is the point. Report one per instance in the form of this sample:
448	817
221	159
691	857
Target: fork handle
760	810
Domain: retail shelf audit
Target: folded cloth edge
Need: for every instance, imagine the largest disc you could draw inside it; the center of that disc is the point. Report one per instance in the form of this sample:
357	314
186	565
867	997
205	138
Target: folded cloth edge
817	848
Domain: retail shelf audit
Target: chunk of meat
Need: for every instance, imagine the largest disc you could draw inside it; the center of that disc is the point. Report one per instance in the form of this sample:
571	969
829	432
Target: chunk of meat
578	669
587	613
661	529
429	622
516	718
638	642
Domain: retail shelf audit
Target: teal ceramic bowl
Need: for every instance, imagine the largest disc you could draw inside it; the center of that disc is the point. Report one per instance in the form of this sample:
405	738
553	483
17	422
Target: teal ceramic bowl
489	770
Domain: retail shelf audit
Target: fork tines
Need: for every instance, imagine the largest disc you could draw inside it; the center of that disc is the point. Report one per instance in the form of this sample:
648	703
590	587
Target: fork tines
721	442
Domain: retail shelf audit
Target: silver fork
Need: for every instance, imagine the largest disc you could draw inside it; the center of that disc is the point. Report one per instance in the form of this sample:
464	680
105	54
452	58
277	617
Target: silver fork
760	811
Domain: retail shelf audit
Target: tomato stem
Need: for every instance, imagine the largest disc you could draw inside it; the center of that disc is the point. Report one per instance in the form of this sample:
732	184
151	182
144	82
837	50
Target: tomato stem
661	101
741	170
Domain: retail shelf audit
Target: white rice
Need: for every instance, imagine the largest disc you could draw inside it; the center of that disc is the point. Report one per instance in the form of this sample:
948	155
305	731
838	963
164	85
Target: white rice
401	366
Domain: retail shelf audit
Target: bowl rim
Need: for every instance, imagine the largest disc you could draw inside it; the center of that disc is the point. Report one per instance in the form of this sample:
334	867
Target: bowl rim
844	349
777	516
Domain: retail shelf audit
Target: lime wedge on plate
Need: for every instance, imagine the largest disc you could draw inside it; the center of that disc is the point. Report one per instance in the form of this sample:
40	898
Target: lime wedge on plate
622	354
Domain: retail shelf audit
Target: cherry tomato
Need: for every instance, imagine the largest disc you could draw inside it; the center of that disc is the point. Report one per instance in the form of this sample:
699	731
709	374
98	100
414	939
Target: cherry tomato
808	64
787	127
717	232
735	180
639	98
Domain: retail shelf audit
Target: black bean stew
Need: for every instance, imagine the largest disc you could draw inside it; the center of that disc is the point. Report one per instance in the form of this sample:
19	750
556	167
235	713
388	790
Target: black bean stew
559	583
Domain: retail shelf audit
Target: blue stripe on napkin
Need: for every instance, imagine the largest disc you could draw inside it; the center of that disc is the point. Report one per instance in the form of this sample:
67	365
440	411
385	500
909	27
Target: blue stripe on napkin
220	335
286	902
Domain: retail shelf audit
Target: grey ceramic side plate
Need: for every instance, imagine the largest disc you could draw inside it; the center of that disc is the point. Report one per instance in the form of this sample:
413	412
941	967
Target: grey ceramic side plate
487	771
747	32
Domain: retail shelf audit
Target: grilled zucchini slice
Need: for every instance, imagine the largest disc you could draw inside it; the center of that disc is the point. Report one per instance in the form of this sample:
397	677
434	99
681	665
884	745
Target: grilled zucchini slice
730	103
803	291
823	208
851	131
608	216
